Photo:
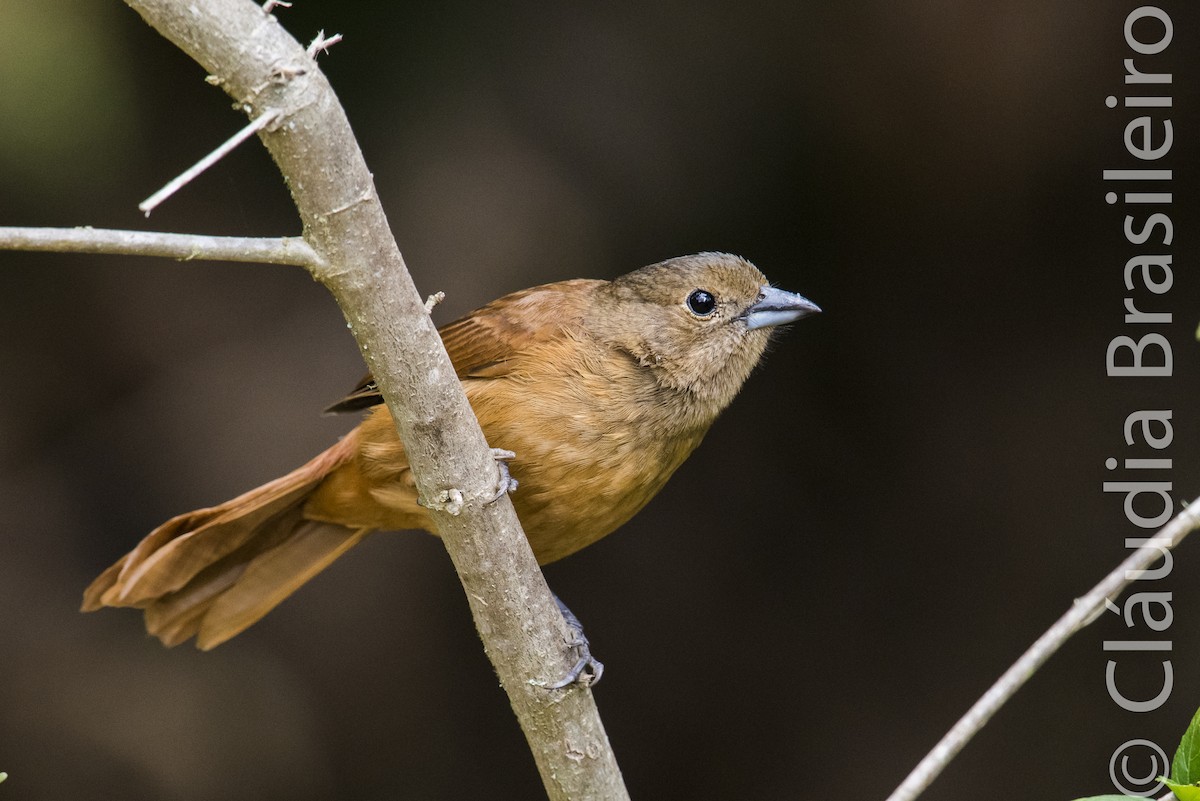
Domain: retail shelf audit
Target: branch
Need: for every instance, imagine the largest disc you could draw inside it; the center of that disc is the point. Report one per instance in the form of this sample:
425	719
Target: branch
267	72
1084	612
185	247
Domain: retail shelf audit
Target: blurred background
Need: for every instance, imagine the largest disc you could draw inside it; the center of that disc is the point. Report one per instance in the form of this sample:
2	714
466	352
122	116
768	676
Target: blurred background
907	493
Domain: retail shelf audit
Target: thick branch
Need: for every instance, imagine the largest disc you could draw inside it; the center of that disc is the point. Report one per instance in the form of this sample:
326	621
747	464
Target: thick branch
264	69
1084	611
185	247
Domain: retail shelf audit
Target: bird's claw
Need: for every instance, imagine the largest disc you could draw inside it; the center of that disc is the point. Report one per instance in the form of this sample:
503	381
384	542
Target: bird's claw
586	671
505	482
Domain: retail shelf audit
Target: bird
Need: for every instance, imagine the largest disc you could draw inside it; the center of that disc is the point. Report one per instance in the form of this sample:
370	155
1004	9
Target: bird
599	389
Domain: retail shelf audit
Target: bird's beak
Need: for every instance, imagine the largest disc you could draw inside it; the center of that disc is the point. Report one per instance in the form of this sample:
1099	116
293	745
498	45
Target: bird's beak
776	307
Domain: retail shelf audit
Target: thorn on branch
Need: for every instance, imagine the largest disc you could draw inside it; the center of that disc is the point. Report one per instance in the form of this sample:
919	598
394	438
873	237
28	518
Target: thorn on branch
321	44
433	300
271	5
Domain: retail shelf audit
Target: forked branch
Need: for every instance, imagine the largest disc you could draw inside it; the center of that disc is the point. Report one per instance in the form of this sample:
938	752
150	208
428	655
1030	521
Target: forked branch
348	246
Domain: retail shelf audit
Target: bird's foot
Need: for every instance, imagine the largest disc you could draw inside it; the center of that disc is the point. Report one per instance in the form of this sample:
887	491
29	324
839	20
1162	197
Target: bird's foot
505	482
587	669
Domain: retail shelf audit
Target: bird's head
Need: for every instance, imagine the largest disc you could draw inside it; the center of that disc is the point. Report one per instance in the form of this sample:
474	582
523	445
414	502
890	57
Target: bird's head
698	323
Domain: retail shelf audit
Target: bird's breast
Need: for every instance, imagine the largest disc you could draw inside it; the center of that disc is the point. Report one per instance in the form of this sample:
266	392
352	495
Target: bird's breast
594	444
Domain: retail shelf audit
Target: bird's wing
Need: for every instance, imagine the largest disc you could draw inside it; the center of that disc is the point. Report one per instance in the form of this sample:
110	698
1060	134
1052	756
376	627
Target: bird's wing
363	396
483	343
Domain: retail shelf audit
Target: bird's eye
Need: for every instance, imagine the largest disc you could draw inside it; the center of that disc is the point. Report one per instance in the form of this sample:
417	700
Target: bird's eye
701	303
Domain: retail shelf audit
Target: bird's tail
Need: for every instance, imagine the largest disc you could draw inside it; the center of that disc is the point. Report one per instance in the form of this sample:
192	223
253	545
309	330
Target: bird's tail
213	572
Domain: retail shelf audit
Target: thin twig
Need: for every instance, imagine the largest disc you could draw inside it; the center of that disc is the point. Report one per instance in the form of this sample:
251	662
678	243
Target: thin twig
1083	612
270	5
291	250
257	124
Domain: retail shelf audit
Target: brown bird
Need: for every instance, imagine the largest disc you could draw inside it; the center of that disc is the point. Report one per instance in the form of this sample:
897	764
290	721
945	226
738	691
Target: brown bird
601	388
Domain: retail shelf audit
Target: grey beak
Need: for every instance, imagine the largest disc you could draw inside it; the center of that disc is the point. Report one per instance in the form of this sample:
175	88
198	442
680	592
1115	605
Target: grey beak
776	307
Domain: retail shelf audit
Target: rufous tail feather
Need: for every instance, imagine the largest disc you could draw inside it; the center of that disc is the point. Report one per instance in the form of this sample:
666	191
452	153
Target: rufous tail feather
214	572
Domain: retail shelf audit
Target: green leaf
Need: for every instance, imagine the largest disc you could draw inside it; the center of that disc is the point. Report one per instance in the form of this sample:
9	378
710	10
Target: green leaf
3	776
1184	792
1185	767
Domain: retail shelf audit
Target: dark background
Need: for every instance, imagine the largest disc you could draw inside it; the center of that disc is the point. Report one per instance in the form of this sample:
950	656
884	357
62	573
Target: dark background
905	495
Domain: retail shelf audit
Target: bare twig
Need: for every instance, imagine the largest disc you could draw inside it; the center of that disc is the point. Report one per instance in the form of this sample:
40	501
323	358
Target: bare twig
262	121
185	247
1084	611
